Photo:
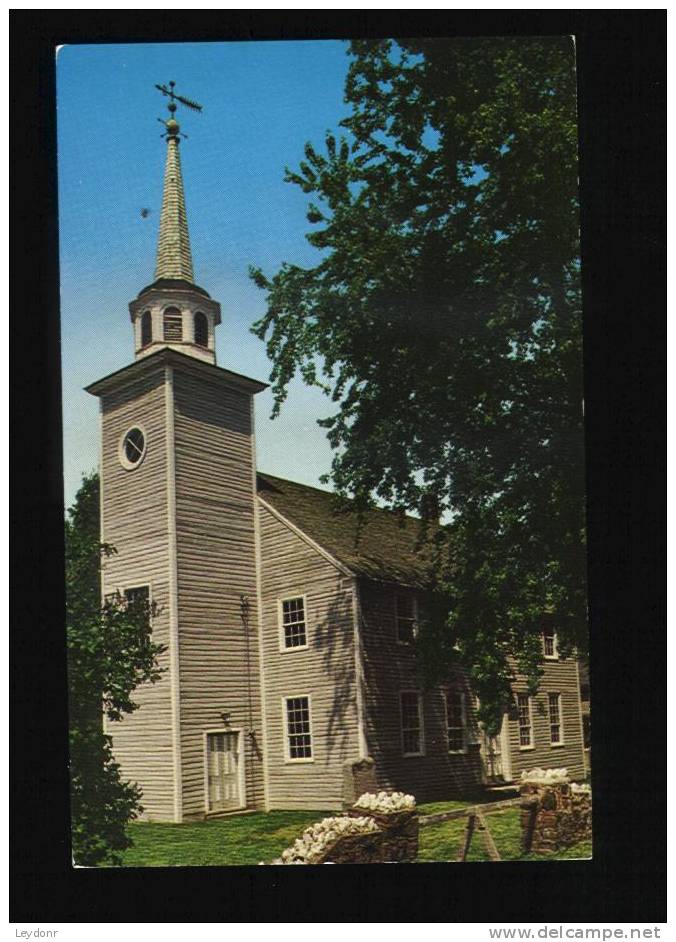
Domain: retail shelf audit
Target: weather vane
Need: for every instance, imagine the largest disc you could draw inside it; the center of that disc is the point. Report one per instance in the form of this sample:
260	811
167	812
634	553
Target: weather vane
171	124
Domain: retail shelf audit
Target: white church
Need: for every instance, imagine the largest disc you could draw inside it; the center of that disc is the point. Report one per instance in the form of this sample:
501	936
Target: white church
289	632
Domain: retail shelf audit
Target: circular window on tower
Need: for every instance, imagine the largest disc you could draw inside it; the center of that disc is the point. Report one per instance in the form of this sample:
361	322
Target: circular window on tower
132	448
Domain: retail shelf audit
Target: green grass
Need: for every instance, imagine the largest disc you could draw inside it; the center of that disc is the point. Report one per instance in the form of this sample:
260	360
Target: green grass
441	842
249	839
239	840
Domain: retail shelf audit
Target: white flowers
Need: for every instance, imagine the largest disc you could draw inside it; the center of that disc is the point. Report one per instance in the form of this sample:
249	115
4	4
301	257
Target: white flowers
386	803
311	846
583	789
545	777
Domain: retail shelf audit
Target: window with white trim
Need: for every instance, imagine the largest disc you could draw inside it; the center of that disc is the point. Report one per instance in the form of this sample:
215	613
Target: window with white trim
411	723
293	630
138	603
405	617
298	729
525	720
456	720
550	643
555	724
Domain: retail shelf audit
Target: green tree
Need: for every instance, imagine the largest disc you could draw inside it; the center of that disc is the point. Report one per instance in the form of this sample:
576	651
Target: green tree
110	652
444	319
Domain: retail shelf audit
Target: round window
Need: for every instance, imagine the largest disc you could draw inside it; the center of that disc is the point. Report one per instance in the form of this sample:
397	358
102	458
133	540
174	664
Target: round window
132	447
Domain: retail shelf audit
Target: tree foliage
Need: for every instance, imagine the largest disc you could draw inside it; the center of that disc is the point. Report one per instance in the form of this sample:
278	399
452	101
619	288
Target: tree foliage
444	319
110	652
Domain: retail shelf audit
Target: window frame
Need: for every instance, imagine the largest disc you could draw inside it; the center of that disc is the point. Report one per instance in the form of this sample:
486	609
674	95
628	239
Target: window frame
121	454
283	648
146	318
554	656
561	740
142	585
421	723
464	727
195	316
529	707
301	760
414	618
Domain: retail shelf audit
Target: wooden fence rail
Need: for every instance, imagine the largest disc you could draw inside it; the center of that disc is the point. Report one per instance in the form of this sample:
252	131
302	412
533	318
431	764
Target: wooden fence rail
474	809
476	822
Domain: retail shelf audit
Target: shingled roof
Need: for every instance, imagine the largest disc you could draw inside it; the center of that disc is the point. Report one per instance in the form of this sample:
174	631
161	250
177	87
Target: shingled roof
384	547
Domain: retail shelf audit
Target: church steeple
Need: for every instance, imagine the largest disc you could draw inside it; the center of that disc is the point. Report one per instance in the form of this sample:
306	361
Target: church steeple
173	247
173	311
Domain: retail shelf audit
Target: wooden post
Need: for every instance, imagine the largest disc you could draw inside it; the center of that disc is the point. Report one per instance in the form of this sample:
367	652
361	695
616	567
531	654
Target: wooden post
467	837
489	843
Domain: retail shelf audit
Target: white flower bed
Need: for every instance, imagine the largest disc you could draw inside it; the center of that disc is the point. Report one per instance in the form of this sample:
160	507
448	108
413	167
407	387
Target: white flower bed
386	803
310	847
545	777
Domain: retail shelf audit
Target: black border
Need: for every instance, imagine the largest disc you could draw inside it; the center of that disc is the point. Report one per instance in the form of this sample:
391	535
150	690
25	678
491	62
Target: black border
621	62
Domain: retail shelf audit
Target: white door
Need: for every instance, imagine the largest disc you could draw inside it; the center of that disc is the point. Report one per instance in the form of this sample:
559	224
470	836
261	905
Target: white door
491	749
223	772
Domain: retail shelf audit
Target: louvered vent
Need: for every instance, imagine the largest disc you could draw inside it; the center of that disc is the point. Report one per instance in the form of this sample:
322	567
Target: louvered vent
173	325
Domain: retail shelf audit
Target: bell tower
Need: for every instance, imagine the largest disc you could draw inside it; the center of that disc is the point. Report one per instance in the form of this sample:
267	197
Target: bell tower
178	504
173	311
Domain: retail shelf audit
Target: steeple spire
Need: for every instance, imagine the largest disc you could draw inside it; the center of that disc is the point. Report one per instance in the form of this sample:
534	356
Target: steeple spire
174	259
173	312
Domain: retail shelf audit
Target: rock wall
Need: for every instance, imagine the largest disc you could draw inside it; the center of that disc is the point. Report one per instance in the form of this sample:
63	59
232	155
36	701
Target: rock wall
554	815
358	837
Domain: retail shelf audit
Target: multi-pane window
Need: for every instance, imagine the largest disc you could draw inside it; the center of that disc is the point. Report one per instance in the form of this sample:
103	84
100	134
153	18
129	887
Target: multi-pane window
455	720
411	724
549	643
525	720
555	727
201	329
138	603
298	732
293	623
405	617
173	325
146	328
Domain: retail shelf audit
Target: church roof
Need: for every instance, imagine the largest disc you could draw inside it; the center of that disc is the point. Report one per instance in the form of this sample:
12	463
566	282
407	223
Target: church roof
174	260
384	547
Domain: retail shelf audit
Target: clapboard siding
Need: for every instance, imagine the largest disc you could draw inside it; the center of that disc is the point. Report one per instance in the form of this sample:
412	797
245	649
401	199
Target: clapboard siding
135	522
389	669
218	655
325	670
560	676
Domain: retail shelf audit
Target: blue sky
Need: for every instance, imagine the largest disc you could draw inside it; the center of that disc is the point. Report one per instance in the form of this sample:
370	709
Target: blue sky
262	102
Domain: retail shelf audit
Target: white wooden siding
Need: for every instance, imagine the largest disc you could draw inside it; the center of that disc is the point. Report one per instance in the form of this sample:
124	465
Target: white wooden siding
389	669
325	670
216	566
560	676
134	521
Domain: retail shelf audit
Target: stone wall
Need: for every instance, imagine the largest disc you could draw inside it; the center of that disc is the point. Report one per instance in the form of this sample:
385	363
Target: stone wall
554	814
358	837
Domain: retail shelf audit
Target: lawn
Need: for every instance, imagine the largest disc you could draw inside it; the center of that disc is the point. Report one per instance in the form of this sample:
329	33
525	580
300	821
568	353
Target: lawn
238	840
251	838
442	841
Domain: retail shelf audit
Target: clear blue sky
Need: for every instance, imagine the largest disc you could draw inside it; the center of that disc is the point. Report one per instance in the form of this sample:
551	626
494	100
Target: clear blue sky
262	102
